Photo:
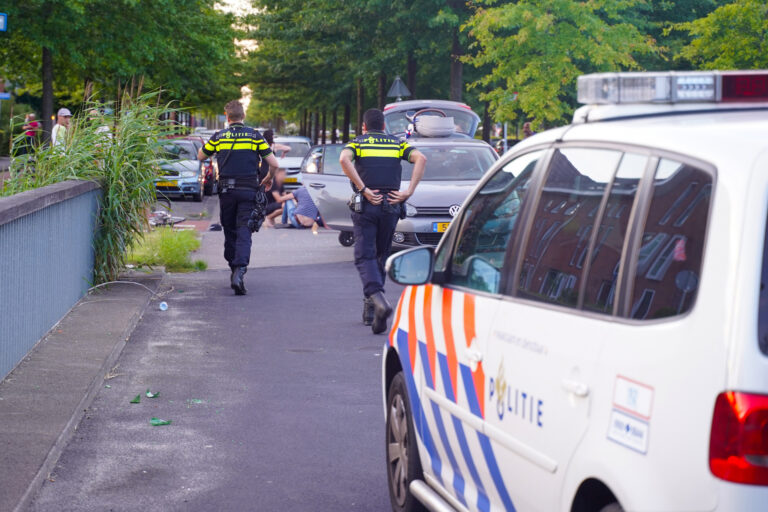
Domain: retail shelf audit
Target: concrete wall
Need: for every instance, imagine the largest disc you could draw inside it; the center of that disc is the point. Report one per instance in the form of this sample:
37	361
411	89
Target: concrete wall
46	261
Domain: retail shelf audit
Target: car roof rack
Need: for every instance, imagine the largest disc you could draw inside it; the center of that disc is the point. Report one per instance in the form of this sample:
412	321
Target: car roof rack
434	126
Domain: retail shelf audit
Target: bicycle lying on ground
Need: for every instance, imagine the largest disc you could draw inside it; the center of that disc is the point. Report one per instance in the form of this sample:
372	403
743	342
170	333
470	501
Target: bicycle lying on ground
161	214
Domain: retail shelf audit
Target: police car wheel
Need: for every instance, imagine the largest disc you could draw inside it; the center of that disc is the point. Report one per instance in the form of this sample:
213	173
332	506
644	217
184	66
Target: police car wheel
199	196
403	465
347	238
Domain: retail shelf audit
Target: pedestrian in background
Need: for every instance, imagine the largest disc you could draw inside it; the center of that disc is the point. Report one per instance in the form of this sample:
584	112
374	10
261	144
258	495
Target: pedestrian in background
527	130
59	132
31	128
372	163
239	150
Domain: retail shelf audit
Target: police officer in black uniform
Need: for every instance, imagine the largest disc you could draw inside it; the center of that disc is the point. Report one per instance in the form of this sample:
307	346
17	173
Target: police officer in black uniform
239	150
372	163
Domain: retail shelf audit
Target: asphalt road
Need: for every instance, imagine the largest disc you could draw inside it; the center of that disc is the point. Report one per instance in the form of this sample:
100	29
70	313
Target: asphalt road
275	398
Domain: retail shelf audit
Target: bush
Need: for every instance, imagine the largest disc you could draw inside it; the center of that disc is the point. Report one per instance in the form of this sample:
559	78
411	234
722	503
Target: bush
122	160
167	247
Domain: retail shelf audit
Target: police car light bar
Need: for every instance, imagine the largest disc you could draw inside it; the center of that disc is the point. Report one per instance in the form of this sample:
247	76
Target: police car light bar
673	87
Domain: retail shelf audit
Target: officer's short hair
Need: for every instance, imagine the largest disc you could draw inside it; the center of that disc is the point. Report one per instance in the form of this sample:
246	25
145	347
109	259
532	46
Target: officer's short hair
374	119
269	136
234	110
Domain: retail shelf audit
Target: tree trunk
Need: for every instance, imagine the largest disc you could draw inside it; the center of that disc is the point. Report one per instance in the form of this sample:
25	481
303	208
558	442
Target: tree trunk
317	128
411	78
324	127
457	68
382	90
360	102
47	72
345	129
487	124
301	122
334	121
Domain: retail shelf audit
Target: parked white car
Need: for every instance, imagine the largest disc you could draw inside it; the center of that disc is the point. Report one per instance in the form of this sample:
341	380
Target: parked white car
291	159
591	334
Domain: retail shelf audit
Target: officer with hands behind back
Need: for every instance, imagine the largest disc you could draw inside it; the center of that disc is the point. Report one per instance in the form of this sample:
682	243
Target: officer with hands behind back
239	150
372	163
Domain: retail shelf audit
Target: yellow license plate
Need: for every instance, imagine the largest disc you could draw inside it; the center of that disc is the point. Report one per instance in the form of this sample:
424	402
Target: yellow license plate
440	227
167	183
291	180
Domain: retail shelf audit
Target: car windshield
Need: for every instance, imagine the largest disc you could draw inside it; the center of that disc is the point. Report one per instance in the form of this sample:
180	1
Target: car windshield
397	122
450	163
180	150
298	149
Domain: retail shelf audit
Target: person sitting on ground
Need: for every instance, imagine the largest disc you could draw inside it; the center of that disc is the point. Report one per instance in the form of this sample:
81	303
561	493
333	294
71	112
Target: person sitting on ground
305	214
277	199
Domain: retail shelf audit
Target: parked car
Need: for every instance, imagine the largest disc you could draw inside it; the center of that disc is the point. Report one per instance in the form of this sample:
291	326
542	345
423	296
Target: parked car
453	168
398	117
209	177
592	332
291	160
180	173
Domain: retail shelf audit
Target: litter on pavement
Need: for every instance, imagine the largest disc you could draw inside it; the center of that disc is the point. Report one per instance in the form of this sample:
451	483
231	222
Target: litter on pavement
136	400
152	395
157	422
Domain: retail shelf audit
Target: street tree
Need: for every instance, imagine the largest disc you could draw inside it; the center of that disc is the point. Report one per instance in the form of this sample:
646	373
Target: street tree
538	49
734	36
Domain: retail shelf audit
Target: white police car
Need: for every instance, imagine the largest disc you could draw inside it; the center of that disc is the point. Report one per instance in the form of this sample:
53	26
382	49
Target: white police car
592	332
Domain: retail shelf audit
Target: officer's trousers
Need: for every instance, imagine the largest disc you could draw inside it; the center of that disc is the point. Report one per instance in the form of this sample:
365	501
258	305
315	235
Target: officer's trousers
236	207
373	229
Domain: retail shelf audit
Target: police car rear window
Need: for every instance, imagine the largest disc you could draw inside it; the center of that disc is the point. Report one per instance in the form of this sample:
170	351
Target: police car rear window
669	259
762	314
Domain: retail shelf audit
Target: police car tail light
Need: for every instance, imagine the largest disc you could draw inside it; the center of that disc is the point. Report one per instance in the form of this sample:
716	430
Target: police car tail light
738	447
673	87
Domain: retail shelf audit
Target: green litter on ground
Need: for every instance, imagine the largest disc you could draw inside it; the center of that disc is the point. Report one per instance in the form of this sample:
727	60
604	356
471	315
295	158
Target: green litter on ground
152	395
157	422
136	400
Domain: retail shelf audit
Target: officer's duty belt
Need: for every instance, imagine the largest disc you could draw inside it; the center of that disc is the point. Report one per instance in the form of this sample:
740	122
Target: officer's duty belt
238	184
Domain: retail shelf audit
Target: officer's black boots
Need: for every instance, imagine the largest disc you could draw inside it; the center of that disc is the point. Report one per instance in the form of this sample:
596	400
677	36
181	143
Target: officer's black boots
238	284
367	311
381	312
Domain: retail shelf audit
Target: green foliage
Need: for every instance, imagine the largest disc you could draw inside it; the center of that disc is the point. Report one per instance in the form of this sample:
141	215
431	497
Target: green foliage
167	247
312	52
734	36
185	47
539	48
123	165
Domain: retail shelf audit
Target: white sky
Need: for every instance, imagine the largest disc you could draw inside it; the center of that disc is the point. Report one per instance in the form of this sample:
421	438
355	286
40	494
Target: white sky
240	8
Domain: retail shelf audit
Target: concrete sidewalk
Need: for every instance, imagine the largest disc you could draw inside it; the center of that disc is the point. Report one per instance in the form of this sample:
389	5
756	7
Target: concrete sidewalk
44	398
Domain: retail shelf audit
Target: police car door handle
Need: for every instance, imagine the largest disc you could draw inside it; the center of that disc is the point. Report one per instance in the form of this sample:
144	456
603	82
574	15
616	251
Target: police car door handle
474	356
317	185
575	387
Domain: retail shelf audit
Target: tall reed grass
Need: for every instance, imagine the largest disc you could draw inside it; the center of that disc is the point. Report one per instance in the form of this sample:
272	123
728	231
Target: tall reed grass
122	158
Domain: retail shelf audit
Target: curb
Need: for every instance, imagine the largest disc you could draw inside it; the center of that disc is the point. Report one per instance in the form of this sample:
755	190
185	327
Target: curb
69	430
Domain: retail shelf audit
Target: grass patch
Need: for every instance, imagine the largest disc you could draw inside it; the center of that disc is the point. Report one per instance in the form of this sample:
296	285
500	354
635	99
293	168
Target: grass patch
169	248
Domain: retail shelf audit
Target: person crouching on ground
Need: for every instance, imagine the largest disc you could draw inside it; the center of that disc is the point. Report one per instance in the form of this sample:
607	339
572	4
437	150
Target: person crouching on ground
277	199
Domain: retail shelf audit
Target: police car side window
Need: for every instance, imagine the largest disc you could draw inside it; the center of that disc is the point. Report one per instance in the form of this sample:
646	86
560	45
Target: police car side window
554	256
488	225
669	258
602	278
